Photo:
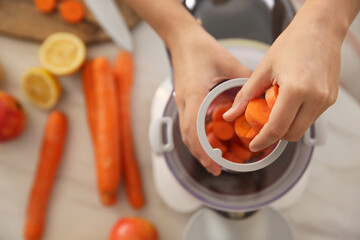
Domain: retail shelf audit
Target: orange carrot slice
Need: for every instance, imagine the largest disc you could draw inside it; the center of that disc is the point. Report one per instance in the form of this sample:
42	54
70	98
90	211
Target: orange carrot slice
45	6
223	130
257	113
216	143
72	11
244	130
233	157
240	151
209	127
219	110
271	96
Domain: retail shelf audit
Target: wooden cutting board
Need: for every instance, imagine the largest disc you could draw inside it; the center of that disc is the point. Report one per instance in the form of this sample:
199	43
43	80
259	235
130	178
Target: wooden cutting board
20	18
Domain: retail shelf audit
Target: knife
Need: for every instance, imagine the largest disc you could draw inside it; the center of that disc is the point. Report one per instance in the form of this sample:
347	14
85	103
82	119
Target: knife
111	20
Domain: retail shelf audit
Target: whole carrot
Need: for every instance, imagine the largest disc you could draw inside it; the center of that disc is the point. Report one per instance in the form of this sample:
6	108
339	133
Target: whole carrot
88	86
50	156
106	131
124	74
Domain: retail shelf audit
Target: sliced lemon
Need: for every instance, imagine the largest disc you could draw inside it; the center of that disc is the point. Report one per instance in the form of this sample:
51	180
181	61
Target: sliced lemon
62	53
41	88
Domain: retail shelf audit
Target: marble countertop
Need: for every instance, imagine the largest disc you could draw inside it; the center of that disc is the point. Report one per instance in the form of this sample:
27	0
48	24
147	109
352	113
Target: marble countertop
328	209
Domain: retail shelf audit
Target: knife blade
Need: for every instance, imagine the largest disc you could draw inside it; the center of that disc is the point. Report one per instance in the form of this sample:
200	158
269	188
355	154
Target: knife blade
111	20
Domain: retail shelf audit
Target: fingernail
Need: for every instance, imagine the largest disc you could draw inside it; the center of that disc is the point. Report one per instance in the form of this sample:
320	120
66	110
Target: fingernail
254	148
228	112
206	163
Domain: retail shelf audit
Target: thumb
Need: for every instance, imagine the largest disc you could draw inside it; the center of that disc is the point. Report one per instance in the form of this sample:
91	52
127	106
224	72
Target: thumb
258	82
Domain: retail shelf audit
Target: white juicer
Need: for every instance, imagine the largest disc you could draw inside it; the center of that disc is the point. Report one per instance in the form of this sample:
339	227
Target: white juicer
185	186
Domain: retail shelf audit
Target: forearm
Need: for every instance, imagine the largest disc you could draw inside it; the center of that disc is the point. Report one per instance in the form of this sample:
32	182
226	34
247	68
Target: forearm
168	18
329	16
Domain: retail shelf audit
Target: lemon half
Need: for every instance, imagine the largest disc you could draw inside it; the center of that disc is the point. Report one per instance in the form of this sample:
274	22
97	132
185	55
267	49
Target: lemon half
41	88
62	53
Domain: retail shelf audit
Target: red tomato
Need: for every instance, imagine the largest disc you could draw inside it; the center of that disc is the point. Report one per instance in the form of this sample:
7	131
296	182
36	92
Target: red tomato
133	228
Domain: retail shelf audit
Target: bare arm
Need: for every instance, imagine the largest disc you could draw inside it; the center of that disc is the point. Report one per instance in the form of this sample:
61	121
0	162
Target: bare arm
305	62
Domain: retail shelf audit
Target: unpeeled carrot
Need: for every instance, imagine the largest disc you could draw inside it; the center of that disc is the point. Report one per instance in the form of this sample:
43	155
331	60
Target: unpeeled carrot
106	131
49	159
216	143
271	95
223	130
240	151
45	6
72	11
257	113
124	76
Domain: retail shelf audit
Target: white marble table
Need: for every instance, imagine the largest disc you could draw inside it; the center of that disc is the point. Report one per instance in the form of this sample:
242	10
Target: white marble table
329	208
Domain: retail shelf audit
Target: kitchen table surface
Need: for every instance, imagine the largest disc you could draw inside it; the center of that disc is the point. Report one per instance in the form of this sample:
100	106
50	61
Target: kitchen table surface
328	209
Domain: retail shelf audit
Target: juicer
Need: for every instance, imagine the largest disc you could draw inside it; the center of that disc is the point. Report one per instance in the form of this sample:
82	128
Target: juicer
233	200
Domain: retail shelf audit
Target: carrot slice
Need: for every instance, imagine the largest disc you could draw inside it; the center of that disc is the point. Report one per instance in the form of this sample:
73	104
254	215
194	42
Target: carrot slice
232	157
244	131
242	127
209	127
45	6
223	130
49	160
216	143
219	110
240	151
257	113
124	77
271	96
72	11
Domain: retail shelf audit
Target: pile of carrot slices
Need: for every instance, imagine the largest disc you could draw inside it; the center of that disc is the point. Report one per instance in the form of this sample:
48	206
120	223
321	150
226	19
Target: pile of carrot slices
107	93
233	138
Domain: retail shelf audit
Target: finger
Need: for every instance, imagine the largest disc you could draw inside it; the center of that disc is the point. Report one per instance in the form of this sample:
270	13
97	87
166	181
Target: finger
214	169
258	82
282	115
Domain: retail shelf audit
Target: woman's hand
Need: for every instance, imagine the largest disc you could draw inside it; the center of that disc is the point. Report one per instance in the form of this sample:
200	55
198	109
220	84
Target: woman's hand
200	63
305	63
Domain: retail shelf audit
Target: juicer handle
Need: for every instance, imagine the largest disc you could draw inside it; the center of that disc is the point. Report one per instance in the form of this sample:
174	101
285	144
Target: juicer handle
156	134
316	134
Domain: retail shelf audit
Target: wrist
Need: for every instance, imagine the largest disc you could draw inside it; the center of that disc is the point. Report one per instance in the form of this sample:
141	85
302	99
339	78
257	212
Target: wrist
331	18
184	34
